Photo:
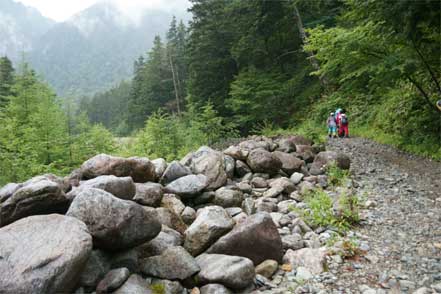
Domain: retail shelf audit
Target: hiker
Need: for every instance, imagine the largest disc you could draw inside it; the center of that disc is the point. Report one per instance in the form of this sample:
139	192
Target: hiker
332	126
337	119
344	125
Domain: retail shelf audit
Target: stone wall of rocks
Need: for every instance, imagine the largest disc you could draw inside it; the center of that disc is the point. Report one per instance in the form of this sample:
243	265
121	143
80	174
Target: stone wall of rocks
213	222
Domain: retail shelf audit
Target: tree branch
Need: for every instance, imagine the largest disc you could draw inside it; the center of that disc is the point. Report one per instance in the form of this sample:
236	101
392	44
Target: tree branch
426	97
432	74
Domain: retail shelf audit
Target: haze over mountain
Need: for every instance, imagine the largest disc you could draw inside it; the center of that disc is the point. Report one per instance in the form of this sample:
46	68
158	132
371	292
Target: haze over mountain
20	28
89	52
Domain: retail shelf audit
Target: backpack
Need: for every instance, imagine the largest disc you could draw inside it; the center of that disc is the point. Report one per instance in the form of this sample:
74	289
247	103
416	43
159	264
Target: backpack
344	120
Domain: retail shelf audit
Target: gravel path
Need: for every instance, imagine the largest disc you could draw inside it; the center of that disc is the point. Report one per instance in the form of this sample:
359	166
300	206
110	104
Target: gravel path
402	229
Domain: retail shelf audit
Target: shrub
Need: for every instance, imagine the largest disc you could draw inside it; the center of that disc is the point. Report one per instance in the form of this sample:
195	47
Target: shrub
336	175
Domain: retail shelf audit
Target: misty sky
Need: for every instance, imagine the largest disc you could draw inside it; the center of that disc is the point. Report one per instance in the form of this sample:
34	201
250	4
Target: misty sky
61	10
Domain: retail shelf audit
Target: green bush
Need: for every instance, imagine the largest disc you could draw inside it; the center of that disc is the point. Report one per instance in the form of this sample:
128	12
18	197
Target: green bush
336	175
320	212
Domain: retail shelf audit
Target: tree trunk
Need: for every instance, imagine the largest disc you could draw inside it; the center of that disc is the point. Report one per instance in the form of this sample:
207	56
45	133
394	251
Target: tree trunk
175	84
311	57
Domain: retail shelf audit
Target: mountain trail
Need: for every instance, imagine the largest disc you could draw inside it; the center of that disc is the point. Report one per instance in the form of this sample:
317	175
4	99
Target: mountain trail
401	232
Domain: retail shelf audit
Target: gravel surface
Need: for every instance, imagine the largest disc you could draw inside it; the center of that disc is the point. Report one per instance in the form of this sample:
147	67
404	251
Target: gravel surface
401	230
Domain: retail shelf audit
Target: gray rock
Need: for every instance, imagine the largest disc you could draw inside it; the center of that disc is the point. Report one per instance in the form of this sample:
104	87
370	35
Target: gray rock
173	203
160	167
34	198
112	280
312	259
149	194
262	161
115	224
174	171
228	198
326	158
230	165
32	262
236	152
128	259
258	182
97	266
211	223
286	206
241	168
187	186
7	191
290	163
286	184
135	284
188	215
266	205
244	187
293	242
215	289
170	219
248	206
232	271
267	268
205	197
273	192
254	144
257	238
233	211
296	178
210	163
139	168
174	263
286	145
121	187
167	238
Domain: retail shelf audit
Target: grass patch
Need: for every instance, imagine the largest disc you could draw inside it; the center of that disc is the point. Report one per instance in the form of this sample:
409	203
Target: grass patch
336	175
321	210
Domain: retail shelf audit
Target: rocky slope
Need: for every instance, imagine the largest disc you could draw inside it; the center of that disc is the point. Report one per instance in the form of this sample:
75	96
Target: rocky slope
215	222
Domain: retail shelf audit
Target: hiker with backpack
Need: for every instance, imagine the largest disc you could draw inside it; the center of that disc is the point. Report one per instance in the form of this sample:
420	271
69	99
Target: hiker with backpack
343	130
332	126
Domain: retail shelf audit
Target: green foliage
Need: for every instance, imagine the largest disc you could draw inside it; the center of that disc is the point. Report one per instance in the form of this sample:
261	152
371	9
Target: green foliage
336	175
382	62
171	137
38	136
158	288
6	80
321	212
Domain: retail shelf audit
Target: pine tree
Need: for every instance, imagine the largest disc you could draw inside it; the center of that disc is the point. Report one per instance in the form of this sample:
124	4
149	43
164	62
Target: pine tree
6	80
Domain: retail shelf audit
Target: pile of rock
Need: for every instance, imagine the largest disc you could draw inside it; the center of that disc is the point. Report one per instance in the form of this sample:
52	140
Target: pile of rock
214	222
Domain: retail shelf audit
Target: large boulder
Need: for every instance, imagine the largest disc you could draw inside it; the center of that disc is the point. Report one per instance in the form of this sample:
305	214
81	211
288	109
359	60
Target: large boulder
115	224
314	259
210	163
8	190
167	238
187	186
174	170
236	152
262	161
43	254
326	158
140	169
170	219
160	167
256	238
135	284
97	265
149	194
121	187
249	145
229	164
290	163
231	271
211	223
39	197
175	263
113	280
228	197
